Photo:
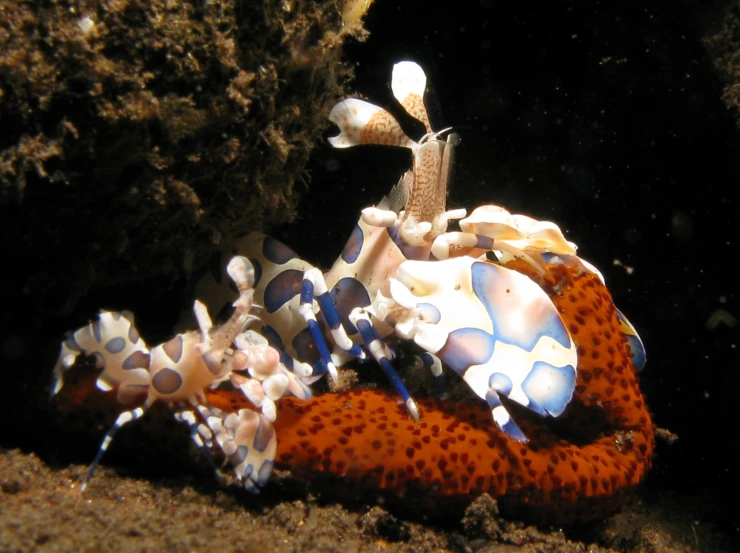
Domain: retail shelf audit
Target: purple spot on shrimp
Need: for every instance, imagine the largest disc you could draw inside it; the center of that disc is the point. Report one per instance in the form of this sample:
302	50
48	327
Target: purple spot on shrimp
95	327
281	289
347	294
173	348
277	252
213	364
466	347
352	249
499	291
239	455
133	334
137	360
167	381
555	396
264	472
264	435
115	345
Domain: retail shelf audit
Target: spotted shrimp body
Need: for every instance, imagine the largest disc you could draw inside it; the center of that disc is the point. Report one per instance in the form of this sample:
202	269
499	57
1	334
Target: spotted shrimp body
180	370
292	292
511	344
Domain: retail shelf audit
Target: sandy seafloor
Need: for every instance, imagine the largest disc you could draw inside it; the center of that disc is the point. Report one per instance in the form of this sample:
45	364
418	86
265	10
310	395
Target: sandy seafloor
609	121
43	510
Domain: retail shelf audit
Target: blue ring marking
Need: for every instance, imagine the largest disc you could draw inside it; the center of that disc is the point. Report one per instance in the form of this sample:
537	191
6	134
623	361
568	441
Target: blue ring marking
277	252
329	311
558	395
307	292
466	347
318	337
370	334
281	289
487	283
347	294
353	247
484	242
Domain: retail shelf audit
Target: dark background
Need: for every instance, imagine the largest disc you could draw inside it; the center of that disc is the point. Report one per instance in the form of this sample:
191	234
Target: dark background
609	122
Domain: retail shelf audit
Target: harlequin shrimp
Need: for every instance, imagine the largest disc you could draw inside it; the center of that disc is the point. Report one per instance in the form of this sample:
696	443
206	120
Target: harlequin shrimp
535	360
504	302
180	370
579	469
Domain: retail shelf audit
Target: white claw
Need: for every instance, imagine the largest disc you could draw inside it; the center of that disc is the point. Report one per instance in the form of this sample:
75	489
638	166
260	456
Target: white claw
201	315
263	361
407	78
241	271
275	386
376	217
269	410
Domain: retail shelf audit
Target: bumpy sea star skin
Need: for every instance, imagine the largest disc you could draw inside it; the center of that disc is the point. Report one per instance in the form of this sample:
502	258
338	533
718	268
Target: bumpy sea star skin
455	452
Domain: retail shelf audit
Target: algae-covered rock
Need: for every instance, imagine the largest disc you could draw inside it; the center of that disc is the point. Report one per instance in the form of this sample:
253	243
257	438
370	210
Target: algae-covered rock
137	135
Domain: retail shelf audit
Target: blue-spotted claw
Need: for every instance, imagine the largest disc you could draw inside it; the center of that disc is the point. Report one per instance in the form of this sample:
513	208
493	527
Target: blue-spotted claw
492	228
495	327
